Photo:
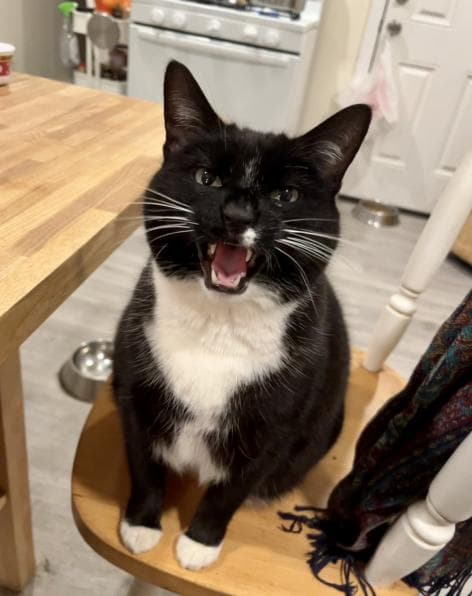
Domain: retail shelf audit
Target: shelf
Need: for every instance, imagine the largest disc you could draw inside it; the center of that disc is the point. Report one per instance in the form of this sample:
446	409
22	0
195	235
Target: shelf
80	20
83	80
86	79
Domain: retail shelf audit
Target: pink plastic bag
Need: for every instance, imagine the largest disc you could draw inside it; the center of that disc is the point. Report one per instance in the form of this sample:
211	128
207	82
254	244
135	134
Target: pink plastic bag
378	89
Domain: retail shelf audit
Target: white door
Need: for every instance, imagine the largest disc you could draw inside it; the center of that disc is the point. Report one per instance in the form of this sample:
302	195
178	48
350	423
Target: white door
250	86
410	164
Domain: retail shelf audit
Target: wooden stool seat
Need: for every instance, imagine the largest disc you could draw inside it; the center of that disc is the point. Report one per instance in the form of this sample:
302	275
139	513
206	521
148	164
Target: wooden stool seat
257	558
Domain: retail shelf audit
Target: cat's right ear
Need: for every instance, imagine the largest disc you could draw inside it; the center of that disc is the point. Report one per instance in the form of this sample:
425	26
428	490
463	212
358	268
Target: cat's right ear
186	109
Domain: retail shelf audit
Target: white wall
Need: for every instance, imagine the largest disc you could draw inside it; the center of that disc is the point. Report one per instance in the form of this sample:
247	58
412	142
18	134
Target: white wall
337	47
11	28
33	26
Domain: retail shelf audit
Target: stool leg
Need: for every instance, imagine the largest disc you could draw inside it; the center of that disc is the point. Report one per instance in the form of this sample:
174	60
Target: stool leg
432	247
139	588
428	525
17	565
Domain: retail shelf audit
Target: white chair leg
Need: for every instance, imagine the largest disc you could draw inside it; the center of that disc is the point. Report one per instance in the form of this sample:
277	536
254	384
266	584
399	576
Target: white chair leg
436	240
389	328
427	526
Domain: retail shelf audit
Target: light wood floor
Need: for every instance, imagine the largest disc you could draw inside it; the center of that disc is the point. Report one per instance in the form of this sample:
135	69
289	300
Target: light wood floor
66	565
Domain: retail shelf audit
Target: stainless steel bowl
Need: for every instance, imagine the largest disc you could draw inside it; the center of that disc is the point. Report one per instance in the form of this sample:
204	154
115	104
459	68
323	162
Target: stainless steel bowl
87	369
376	214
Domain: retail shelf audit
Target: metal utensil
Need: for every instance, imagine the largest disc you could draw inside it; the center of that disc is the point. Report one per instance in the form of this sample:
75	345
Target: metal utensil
103	31
87	369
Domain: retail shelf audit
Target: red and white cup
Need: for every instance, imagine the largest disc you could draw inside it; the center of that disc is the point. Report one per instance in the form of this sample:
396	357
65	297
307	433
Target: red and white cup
6	57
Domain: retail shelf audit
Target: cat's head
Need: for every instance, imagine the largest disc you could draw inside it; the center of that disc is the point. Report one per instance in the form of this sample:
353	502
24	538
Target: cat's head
235	207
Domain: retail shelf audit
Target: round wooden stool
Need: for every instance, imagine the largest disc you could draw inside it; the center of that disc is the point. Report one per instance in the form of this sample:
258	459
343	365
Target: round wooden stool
257	558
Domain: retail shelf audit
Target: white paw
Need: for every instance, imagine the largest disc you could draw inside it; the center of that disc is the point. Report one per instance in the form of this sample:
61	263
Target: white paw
195	555
139	539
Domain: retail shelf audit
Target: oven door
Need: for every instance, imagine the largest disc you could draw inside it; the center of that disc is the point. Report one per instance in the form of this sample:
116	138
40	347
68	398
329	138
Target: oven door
250	86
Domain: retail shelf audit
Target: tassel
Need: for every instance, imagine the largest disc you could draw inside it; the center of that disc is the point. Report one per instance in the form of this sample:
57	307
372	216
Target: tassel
453	584
325	550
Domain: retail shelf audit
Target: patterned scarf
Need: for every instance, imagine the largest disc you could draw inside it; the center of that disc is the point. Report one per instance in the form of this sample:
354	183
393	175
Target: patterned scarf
397	456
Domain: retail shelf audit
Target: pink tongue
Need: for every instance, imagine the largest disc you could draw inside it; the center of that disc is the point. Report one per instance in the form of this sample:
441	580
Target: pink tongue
229	263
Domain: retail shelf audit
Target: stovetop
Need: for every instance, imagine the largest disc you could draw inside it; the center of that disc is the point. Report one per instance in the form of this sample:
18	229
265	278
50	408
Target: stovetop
263	8
270	8
254	25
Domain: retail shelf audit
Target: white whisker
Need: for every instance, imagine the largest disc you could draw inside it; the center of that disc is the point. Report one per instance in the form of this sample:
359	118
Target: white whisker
157	218
169	226
164	196
322	235
307	219
166	218
160	203
170	234
161	249
303	276
157	192
313	244
151	201
306	250
325	256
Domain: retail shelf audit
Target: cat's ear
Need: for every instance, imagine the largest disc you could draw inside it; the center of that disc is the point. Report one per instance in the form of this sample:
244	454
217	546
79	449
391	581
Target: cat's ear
333	144
186	109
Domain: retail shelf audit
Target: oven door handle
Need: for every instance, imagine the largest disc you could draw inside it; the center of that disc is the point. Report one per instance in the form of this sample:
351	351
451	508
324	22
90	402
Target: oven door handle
211	47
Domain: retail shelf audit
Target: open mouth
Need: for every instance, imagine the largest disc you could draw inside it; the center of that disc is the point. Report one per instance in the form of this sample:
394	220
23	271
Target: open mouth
227	267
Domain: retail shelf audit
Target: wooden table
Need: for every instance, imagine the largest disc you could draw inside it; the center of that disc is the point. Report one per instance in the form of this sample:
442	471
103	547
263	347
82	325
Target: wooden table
73	163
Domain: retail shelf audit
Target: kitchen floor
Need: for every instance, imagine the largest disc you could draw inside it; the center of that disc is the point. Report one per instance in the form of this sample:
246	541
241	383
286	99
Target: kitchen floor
364	274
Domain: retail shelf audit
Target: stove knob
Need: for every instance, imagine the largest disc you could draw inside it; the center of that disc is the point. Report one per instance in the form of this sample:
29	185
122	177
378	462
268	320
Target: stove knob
179	19
158	16
250	33
214	26
272	38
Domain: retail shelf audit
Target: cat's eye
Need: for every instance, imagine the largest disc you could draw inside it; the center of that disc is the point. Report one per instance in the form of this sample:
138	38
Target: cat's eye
285	195
207	178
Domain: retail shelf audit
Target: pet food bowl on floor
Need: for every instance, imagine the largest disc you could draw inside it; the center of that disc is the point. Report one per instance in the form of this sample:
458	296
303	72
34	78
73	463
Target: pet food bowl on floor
376	214
87	369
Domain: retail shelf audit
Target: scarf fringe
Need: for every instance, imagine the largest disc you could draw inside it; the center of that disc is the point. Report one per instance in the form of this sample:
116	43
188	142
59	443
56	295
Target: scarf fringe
453	584
326	551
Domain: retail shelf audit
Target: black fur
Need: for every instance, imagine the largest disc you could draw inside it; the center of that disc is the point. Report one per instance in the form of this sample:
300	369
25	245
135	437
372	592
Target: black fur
281	426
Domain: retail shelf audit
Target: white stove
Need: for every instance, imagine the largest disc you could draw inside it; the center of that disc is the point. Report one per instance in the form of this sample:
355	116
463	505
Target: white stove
252	63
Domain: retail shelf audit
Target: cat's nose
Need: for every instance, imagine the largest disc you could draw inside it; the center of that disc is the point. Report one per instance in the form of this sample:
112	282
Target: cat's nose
238	214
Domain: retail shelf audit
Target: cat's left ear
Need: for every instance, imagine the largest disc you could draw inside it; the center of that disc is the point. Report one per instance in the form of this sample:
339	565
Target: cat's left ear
332	145
186	109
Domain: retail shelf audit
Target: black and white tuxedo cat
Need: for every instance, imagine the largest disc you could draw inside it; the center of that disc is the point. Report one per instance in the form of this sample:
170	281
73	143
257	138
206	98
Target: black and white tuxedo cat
232	357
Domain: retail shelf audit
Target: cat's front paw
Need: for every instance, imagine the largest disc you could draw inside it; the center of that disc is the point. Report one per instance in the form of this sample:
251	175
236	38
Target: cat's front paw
194	555
139	539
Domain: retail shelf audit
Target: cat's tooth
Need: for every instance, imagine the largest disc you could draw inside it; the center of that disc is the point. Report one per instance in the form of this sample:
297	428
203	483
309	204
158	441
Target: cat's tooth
214	277
249	254
211	249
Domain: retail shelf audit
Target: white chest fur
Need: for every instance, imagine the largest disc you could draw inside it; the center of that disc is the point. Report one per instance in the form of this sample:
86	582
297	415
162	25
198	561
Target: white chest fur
208	345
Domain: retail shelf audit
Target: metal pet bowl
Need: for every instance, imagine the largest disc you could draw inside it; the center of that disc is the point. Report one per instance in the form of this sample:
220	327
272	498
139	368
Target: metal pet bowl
87	369
376	214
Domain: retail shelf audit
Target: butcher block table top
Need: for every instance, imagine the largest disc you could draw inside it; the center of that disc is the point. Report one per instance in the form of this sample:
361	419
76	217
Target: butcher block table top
72	162
73	165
